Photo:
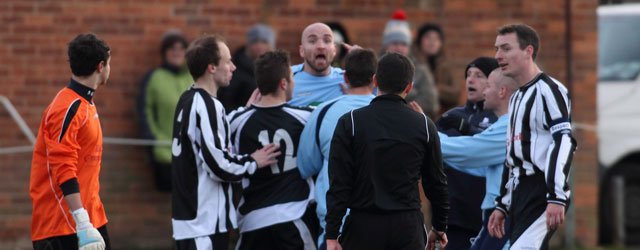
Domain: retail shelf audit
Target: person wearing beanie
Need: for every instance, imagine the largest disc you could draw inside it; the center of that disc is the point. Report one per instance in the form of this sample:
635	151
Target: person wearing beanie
396	38
428	49
260	39
160	90
466	191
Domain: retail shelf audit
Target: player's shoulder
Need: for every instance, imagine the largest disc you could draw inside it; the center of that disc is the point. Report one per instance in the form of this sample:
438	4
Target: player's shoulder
302	109
66	103
337	71
295	69
545	81
235	114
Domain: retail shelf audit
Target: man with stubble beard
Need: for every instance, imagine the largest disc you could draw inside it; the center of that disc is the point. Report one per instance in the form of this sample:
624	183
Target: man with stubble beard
316	81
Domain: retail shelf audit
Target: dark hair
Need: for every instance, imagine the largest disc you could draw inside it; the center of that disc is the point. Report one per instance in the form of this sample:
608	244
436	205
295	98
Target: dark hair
270	68
202	52
394	73
169	39
86	51
338	27
526	36
426	28
360	65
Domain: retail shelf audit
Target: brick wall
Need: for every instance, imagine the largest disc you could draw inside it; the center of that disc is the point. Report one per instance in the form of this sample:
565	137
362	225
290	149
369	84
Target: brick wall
33	68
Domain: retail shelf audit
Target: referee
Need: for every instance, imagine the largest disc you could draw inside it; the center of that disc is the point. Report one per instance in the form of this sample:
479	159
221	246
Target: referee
378	154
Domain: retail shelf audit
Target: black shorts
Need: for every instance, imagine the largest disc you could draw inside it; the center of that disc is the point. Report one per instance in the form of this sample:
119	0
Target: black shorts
68	242
214	241
389	231
292	235
528	213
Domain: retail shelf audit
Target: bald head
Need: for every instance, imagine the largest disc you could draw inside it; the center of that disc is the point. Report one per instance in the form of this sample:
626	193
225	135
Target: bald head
498	91
317	49
316	28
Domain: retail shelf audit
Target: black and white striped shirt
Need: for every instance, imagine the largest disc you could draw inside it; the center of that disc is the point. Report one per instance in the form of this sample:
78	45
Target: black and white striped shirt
274	194
202	166
539	139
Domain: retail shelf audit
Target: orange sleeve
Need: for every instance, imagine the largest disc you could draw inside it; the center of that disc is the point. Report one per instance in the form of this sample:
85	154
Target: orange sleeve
61	130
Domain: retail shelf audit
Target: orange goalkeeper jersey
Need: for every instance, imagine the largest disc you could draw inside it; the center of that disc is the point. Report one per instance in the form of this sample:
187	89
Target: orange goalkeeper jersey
69	145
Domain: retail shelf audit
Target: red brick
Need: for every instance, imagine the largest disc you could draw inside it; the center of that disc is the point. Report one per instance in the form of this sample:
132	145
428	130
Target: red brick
34	36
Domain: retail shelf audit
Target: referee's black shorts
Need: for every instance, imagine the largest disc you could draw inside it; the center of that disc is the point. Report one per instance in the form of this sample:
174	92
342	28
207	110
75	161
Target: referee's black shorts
389	231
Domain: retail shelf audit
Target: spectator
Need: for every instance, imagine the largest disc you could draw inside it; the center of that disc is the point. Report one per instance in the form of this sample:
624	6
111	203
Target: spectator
429	50
161	89
259	39
397	38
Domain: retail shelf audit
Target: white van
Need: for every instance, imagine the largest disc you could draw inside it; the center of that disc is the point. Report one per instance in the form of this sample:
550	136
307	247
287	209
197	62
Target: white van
618	101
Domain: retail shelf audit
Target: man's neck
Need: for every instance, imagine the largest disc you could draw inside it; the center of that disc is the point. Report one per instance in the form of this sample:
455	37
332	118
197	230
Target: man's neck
89	81
271	100
313	72
529	73
503	109
207	84
363	90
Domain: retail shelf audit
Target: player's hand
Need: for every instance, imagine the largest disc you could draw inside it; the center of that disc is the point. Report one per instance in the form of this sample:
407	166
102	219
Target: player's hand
496	224
255	98
555	215
416	107
439	237
349	47
266	155
88	237
333	245
449	121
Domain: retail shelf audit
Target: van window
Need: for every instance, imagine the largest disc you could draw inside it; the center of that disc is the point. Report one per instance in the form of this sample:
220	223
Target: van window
618	47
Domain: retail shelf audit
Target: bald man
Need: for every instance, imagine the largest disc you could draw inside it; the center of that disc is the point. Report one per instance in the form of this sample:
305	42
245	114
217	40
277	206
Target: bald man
316	81
483	154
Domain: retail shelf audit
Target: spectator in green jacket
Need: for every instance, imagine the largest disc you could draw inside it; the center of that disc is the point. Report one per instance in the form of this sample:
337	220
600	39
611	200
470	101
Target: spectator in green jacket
160	91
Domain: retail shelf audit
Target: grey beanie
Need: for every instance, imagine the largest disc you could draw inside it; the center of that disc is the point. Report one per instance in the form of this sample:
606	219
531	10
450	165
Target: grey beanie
261	32
397	30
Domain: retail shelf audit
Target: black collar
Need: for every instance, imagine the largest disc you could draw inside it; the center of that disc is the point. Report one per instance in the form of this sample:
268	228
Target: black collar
389	97
475	106
84	91
533	81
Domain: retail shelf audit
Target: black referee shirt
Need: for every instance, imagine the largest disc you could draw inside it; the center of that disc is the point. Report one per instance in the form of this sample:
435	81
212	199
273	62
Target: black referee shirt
378	155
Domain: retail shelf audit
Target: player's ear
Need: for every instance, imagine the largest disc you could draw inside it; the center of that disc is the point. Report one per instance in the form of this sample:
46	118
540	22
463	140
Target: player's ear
346	79
283	84
408	88
211	68
100	67
374	81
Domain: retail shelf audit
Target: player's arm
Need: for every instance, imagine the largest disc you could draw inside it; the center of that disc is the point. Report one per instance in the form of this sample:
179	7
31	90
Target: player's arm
503	200
560	152
340	176
219	162
60	137
309	157
477	151
434	180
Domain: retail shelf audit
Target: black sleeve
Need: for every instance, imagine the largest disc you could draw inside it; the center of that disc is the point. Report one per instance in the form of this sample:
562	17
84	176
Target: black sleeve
340	176
434	180
70	186
504	192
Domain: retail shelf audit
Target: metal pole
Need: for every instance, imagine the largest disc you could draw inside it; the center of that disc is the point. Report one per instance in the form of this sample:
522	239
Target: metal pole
618	210
16	117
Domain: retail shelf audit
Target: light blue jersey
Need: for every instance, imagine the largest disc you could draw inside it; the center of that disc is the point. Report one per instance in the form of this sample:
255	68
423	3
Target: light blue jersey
314	146
481	155
312	90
